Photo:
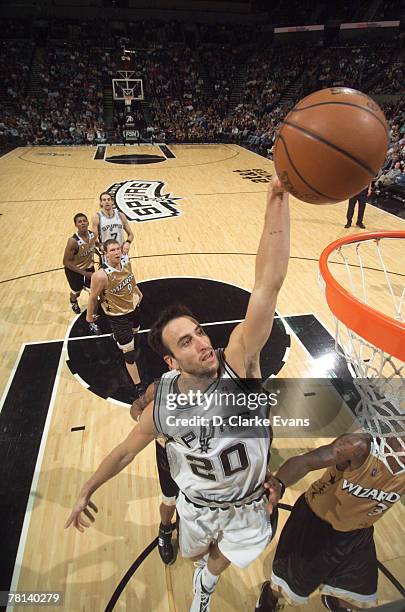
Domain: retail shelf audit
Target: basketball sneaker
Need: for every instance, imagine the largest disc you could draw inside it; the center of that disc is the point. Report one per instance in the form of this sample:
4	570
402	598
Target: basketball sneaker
202	597
165	546
267	601
94	329
75	307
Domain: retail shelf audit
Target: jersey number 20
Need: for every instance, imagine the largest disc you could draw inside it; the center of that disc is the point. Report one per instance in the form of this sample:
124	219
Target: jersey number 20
204	467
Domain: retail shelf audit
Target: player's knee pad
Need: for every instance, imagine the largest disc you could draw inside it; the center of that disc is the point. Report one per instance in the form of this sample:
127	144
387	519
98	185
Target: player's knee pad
169	501
126	348
131	352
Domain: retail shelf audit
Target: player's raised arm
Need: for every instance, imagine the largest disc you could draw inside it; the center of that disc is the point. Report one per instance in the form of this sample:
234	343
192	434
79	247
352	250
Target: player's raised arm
129	233
95	228
343	450
248	338
116	461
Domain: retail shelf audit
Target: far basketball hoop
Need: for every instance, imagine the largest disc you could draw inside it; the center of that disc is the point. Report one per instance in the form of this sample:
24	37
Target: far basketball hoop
127	89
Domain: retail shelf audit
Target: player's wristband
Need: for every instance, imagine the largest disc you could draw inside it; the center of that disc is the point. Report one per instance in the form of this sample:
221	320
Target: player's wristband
282	486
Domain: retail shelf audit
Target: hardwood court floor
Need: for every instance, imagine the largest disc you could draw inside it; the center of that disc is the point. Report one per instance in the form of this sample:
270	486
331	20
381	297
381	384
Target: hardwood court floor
215	236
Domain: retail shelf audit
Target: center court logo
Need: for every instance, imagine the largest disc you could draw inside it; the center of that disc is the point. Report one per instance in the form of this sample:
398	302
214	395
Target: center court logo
144	200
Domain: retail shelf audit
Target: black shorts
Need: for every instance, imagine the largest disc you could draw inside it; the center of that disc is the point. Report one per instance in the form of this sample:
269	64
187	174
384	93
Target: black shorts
167	485
311	554
77	281
124	326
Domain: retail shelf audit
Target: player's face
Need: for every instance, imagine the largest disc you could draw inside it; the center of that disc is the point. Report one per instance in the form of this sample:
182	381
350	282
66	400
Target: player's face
106	203
191	348
114	253
82	224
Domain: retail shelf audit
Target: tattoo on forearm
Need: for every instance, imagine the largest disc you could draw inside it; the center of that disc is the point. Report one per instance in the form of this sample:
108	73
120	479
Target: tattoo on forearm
276	232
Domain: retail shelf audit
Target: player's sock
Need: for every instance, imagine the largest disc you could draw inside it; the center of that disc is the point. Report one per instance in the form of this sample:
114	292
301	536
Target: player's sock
209	581
202	562
202	597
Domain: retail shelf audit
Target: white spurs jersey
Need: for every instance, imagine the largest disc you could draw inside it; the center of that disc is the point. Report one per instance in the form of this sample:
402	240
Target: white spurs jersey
111	227
213	463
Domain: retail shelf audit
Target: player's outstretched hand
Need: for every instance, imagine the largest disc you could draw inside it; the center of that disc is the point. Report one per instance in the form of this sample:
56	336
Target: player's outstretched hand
83	505
273	491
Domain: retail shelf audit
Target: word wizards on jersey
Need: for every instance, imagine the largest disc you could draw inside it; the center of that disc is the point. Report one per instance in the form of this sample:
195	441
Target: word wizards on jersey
218	445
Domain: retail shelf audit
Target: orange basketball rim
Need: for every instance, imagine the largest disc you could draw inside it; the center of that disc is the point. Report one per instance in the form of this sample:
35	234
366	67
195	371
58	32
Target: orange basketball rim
375	327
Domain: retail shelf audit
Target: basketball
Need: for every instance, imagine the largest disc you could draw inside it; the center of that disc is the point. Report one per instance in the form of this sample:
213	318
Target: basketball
331	145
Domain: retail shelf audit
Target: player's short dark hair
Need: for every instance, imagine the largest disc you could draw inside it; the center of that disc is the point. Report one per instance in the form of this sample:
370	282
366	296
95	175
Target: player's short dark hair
107	243
174	311
77	215
105	193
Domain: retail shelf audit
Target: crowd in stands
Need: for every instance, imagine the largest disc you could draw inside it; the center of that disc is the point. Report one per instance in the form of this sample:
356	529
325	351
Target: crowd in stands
392	81
310	12
215	90
394	166
390	9
64	103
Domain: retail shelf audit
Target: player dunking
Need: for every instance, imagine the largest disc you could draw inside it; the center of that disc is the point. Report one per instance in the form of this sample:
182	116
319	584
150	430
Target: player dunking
220	474
78	259
327	542
120	297
110	224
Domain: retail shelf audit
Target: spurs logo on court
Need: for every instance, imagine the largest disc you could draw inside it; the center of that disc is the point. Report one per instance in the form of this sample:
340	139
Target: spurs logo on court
143	200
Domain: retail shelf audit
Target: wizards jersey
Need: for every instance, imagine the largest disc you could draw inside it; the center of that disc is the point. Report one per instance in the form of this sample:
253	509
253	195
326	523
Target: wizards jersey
119	297
83	258
355	499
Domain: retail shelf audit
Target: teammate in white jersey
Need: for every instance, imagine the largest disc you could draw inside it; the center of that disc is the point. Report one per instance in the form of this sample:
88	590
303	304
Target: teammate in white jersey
223	509
110	224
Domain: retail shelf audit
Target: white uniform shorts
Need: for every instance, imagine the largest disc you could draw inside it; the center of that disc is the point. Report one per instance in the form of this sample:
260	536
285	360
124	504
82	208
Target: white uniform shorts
242	533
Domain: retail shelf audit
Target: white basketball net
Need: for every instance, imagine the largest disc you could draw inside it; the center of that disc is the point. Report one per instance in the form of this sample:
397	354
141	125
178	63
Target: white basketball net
378	377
